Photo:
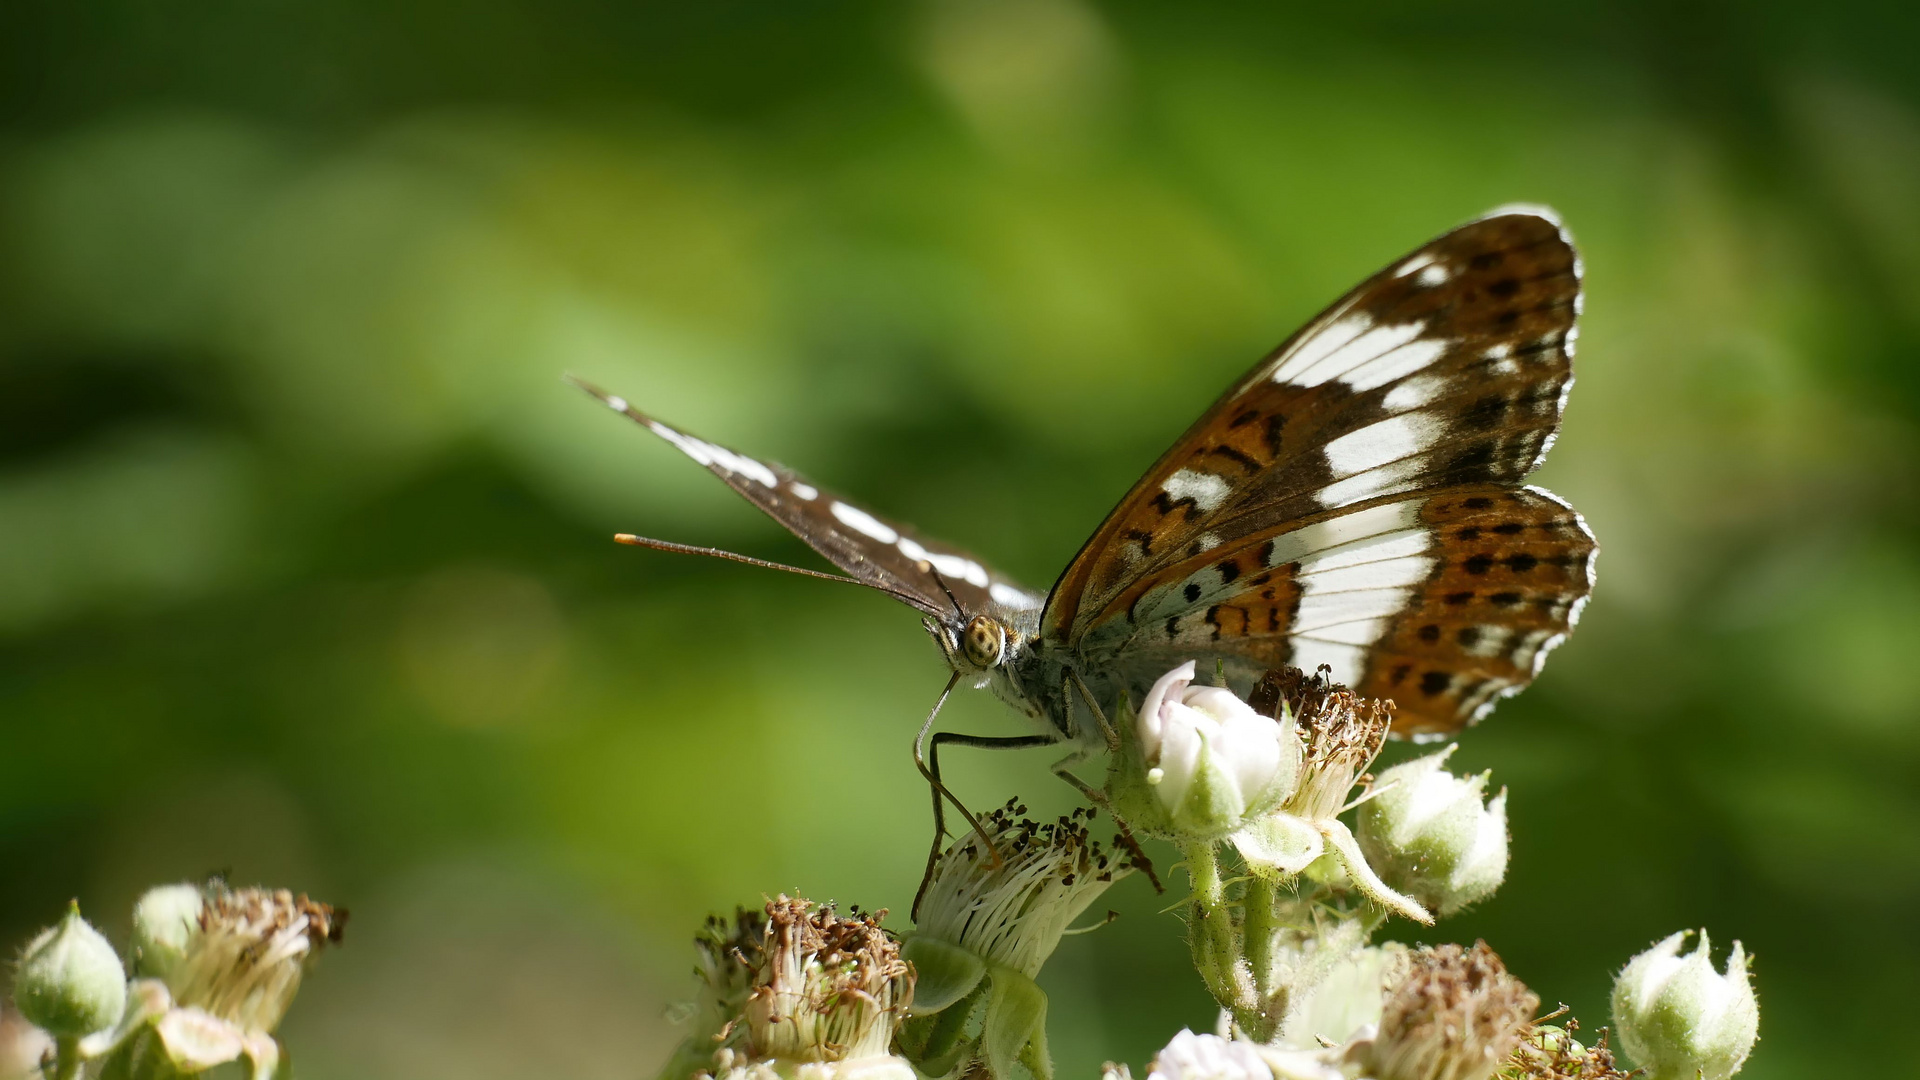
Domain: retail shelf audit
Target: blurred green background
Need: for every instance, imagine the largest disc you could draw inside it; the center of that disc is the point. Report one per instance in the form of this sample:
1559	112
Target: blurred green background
304	559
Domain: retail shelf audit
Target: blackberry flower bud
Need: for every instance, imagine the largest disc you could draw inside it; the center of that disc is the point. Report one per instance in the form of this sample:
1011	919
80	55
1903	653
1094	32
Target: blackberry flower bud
1209	760
1428	835
1457	1015
1213	1057
70	981
1208	1057
1680	1019
165	921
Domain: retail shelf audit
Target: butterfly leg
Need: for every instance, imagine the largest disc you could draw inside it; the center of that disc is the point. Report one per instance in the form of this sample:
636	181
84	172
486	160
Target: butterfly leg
1064	770
930	768
1111	736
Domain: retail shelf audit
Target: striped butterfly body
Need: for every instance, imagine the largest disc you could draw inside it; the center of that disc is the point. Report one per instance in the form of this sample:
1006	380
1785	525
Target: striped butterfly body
1356	501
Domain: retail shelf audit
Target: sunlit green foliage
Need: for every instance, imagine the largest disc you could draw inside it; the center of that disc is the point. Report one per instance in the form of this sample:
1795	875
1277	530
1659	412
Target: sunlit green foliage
304	571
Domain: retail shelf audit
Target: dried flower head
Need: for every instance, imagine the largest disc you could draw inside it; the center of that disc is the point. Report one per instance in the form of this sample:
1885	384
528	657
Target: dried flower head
1552	1053
1013	909
1457	1015
724	967
1343	734
244	963
825	987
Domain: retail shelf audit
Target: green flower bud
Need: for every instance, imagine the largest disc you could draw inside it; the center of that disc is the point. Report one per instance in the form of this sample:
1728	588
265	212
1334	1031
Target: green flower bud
69	981
165	921
1428	835
1680	1019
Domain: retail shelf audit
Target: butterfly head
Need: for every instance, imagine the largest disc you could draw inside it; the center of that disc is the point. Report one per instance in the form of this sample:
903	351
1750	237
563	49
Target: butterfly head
974	646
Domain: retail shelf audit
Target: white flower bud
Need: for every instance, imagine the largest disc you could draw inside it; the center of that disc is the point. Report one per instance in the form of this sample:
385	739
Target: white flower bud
1428	835
70	981
164	922
1209	1057
1680	1019
1211	761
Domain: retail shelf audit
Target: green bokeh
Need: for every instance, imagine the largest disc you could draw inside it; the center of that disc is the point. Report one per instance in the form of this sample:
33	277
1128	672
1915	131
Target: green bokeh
304	571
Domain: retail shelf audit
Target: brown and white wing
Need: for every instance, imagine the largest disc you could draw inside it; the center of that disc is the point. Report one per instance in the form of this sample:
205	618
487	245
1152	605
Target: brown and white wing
1443	601
874	550
1447	370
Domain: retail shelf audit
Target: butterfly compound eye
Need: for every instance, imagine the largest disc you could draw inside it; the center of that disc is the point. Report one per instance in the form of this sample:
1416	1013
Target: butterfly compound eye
983	641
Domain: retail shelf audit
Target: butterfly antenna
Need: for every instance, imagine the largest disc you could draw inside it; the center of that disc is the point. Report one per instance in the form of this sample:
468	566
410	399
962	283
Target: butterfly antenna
942	582
732	556
690	549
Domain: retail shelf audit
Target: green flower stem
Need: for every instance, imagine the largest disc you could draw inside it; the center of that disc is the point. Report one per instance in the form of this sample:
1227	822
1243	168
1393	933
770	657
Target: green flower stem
66	1058
1211	933
1259	930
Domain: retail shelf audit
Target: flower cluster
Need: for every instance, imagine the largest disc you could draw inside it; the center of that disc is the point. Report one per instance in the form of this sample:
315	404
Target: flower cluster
1286	899
215	970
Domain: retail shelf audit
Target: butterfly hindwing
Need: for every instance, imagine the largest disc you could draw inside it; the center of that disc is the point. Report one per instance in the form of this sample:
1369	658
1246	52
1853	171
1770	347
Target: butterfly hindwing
882	553
1449	367
1443	601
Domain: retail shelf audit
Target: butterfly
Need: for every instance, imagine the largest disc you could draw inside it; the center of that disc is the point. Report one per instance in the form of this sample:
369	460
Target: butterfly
1356	501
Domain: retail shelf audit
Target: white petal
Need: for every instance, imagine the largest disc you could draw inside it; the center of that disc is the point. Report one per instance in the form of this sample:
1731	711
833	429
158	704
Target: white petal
1168	686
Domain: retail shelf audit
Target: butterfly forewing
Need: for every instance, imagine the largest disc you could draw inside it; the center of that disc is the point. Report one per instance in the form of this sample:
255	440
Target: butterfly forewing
1449	367
874	550
1303	519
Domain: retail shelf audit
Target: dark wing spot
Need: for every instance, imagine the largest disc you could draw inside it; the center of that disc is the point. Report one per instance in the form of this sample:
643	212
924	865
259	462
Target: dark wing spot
1504	599
1489	411
1400	673
1213	620
1245	418
1509	528
1266	553
1430	633
1479	502
1192	592
1435	682
1144	539
1231	454
1173	627
1522	562
1469	636
1504	287
1459	597
1228	571
1508	317
1478	564
1478	456
1486	260
1471	532
1272	433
